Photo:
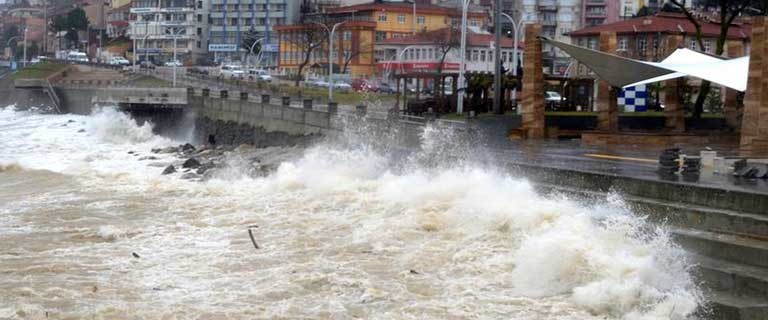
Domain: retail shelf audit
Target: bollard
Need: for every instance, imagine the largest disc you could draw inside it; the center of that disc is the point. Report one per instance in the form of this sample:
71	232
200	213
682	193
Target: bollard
333	107
265	98
308	104
206	92
223	94
361	110
286	101
243	95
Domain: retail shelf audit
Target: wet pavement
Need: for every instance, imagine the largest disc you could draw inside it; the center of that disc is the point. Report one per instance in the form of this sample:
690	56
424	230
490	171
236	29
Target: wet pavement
621	160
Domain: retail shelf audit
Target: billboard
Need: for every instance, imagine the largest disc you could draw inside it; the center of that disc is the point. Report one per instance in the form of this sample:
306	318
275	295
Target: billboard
222	47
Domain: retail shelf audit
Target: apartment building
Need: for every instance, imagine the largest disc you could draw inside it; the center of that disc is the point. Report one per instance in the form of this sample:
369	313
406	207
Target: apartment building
558	18
230	21
155	24
369	25
596	12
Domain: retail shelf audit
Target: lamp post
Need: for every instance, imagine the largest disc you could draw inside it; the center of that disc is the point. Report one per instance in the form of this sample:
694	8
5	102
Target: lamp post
8	44
517	28
175	33
463	57
253	45
25	46
331	31
414	17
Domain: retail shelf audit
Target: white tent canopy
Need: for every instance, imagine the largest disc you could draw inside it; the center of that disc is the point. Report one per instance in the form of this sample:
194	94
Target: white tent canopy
625	72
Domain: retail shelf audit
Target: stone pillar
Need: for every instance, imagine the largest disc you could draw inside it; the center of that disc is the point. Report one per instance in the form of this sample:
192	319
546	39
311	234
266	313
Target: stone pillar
731	107
674	111
607	104
533	84
754	124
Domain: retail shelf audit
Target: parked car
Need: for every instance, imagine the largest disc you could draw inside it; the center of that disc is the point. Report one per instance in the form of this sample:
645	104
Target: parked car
342	86
385	88
174	63
231	71
364	85
76	56
553	99
118	61
316	83
259	74
146	64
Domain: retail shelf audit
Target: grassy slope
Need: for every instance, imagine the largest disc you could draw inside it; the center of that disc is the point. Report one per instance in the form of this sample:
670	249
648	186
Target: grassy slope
38	71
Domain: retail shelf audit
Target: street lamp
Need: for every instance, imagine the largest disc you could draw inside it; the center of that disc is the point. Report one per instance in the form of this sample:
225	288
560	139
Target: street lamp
25	46
175	35
463	57
8	44
253	45
517	28
331	31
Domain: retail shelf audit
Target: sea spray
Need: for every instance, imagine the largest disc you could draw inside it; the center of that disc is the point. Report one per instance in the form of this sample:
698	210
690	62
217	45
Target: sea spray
350	228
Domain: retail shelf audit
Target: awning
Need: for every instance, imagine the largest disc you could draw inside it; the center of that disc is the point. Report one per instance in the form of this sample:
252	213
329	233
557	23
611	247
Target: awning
624	72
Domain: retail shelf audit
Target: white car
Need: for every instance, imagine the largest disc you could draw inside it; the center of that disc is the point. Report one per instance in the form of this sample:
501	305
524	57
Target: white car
175	63
76	56
553	99
231	71
317	83
259	74
118	61
342	86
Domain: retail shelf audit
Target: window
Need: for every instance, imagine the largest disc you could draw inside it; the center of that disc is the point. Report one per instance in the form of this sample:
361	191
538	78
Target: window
199	18
503	56
381	35
642	45
383	17
421	20
593	43
692	45
233	21
347	35
199	31
474	22
401	18
623	43
475	55
482	55
199	6
708	46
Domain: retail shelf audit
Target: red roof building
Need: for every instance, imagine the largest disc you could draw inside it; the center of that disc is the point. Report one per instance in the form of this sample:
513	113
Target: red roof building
647	38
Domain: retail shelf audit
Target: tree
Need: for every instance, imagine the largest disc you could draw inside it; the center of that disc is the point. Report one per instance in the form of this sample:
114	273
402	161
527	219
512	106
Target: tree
729	10
355	50
10	32
305	41
76	19
447	40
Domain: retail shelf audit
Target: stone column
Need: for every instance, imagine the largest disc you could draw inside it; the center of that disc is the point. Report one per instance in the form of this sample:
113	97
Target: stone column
754	124
607	106
731	107
674	111
533	84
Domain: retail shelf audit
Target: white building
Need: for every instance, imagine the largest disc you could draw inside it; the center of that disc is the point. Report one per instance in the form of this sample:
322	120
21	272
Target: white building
157	22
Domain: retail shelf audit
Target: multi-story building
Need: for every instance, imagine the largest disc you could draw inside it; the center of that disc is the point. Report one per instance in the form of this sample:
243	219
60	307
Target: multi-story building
423	52
118	20
595	12
155	24
373	23
558	18
645	38
230	20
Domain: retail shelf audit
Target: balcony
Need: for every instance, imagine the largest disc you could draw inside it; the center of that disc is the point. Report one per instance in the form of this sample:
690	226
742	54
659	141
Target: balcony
595	2
595	14
162	10
549	22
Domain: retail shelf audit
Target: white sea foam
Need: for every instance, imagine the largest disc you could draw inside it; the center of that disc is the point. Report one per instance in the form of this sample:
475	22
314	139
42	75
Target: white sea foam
344	231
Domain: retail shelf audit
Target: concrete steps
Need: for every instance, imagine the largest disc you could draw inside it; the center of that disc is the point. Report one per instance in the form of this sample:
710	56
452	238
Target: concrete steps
726	247
724	306
729	248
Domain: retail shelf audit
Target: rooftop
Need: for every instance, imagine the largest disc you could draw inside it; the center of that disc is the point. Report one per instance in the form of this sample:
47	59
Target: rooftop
664	22
405	7
444	34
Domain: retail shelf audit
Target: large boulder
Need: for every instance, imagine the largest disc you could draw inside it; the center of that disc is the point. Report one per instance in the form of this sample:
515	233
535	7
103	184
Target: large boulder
169	169
191	163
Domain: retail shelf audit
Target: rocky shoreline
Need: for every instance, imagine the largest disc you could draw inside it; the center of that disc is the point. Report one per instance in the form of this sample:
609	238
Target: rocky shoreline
205	162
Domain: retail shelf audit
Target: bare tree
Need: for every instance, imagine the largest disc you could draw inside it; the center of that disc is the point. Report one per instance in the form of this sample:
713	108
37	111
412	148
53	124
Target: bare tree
728	11
355	49
305	41
447	40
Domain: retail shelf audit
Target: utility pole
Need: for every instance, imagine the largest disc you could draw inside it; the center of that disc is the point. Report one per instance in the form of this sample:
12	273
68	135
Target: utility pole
25	45
497	58
266	31
45	31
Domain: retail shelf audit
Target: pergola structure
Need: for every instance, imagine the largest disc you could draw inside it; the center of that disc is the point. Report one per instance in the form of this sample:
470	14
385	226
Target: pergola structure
439	103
